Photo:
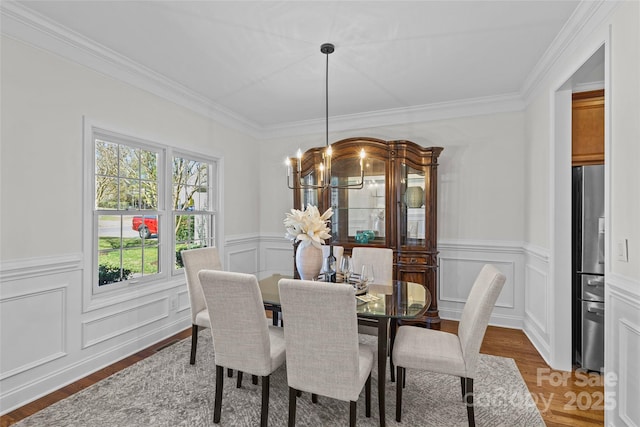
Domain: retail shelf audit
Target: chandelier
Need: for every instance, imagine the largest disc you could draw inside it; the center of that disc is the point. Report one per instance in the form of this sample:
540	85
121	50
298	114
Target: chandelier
324	168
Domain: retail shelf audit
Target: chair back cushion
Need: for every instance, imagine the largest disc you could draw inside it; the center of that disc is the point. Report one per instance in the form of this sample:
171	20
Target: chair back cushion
321	337
238	322
380	258
195	260
476	313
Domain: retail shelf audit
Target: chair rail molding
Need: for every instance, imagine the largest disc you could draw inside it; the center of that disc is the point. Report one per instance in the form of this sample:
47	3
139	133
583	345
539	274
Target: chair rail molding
40	266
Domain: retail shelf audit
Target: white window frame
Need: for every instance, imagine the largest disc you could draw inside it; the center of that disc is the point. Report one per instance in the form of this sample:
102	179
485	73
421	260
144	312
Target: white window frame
213	174
168	276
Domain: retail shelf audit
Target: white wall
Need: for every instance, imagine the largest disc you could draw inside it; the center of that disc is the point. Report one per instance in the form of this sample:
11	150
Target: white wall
48	336
547	294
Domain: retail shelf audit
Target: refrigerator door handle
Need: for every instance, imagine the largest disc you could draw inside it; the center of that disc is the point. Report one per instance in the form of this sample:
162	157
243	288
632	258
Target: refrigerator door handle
596	282
596	311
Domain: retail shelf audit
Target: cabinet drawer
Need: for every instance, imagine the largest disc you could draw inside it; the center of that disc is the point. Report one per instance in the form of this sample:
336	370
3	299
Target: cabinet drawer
412	259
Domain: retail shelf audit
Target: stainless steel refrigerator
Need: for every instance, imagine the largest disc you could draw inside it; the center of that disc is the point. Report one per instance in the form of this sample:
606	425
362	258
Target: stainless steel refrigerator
588	266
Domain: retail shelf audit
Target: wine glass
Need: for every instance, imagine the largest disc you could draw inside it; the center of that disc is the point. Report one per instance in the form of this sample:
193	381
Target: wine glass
367	275
346	267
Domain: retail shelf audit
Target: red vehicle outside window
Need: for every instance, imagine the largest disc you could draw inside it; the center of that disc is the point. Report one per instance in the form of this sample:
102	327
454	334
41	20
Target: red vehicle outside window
145	228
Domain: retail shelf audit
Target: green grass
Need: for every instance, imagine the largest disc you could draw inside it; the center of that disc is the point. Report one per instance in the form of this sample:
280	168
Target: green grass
139	258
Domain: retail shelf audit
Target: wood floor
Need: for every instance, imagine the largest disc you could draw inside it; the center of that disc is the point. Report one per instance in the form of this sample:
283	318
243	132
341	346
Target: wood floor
563	398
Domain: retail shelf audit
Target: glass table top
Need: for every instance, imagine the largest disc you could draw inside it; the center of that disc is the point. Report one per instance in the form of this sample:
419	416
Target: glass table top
400	300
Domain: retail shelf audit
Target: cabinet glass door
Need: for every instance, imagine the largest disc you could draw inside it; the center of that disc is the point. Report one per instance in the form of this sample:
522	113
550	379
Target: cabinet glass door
412	206
309	196
359	214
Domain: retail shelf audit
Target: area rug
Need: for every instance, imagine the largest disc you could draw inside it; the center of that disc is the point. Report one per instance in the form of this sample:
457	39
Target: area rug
165	390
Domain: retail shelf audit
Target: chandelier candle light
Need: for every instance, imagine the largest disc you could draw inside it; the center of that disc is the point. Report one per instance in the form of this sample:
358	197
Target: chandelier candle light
324	175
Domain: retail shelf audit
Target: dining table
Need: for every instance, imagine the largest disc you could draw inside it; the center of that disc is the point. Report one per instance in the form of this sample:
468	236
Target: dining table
381	306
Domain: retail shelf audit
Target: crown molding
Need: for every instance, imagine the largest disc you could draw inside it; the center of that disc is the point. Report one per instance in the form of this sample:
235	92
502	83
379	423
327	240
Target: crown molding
27	26
23	24
586	16
402	116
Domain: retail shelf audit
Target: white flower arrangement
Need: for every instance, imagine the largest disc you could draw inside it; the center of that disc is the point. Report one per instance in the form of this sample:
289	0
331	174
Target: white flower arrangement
308	226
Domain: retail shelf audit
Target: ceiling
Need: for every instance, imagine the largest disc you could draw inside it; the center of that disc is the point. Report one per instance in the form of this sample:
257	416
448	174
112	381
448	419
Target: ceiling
261	61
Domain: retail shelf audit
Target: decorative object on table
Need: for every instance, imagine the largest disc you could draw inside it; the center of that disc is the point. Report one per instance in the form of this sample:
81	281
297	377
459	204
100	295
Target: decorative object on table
329	267
310	229
346	268
415	197
367	277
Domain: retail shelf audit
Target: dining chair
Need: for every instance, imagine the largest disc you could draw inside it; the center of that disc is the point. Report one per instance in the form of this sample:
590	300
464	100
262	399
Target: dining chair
324	356
195	260
380	258
242	338
447	353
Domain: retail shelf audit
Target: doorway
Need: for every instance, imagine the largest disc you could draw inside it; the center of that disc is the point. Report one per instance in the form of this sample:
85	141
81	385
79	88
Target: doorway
589	76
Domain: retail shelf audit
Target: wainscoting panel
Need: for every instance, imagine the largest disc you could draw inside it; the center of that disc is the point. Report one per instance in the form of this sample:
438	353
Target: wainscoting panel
460	263
622	347
183	301
48	341
537	289
121	322
276	255
457	276
38	339
242	254
536	297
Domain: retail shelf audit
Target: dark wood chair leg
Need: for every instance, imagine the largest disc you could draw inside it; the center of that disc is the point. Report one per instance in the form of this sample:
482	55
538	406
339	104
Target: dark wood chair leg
352	413
264	414
254	379
393	328
399	387
217	406
229	372
469	401
293	395
239	383
298	393
194	343
314	398
367	396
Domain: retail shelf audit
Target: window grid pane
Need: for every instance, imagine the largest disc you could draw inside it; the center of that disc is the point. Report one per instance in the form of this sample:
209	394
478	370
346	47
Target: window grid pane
126	180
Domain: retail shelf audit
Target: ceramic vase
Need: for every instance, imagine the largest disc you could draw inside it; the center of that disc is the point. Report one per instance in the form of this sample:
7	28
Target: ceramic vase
308	261
414	197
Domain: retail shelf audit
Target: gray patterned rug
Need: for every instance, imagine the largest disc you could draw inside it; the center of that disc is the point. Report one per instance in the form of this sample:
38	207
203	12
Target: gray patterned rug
164	390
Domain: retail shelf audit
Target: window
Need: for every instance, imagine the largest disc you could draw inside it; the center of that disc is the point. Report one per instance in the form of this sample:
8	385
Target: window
193	204
150	202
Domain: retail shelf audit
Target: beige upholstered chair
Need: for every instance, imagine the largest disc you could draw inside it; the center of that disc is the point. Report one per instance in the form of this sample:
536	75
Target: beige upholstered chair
195	260
380	258
446	353
242	338
323	354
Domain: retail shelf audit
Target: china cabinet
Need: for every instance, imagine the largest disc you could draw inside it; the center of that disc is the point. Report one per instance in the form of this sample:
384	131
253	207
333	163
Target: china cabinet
395	208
